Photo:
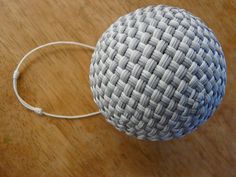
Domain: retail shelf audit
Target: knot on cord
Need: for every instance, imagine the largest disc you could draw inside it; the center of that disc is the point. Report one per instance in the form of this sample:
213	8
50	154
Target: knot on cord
38	110
16	74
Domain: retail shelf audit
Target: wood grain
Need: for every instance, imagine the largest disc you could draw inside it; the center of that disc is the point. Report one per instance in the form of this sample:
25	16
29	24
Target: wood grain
57	80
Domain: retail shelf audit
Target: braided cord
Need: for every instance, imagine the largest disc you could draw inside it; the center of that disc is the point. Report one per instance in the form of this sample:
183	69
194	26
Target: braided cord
39	110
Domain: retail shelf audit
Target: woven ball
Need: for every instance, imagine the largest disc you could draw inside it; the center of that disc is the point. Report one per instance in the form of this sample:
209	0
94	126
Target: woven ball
158	73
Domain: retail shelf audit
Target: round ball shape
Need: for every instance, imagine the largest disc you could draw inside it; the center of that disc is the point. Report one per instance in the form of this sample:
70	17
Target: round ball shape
158	73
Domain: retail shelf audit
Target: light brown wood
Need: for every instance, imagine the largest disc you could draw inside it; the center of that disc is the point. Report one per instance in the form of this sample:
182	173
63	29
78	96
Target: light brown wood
57	80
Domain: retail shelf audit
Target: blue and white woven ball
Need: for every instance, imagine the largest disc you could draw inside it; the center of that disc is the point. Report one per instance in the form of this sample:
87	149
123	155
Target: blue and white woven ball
158	73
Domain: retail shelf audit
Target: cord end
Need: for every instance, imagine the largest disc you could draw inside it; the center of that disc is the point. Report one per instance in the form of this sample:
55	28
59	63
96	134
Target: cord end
38	111
16	74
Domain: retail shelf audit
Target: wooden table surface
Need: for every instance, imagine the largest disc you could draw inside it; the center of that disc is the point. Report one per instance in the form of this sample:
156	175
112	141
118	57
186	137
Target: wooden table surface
57	80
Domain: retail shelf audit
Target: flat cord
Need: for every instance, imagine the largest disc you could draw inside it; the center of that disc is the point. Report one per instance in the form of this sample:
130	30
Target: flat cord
39	110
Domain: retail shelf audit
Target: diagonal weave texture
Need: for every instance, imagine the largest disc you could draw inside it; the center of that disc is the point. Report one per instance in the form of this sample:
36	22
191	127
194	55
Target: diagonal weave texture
158	73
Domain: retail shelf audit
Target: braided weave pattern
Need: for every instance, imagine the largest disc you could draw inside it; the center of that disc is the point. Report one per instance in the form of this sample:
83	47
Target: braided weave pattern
158	73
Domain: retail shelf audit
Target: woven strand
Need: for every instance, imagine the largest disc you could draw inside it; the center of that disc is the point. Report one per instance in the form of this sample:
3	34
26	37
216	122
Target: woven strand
39	110
158	73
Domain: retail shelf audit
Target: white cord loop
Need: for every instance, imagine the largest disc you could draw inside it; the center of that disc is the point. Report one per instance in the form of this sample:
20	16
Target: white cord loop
38	110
